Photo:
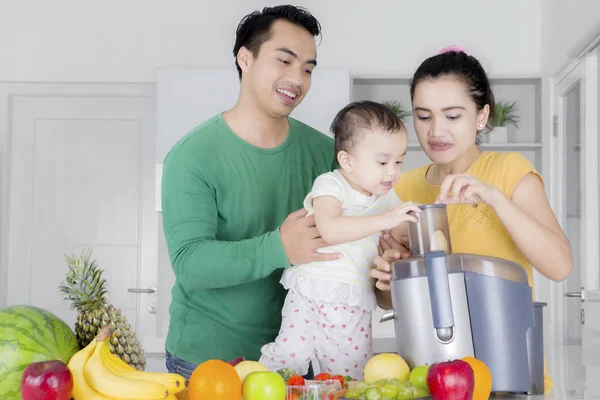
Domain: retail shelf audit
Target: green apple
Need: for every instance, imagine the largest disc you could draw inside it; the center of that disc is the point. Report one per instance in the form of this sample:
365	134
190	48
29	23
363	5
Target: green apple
418	377
264	385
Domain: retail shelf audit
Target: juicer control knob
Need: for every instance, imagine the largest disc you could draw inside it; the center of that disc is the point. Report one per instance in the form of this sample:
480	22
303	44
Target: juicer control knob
445	335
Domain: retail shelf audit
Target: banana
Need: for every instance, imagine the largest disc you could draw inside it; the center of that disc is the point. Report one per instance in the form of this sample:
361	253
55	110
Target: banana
81	389
174	383
118	387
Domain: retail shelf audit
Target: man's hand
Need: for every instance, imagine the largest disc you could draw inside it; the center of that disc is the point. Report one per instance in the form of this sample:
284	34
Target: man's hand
301	239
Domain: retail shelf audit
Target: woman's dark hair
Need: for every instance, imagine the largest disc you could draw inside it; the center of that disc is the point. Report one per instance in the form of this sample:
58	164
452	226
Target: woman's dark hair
465	68
255	28
350	122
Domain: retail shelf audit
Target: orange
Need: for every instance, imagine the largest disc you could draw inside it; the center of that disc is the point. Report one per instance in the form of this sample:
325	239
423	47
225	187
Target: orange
483	378
215	380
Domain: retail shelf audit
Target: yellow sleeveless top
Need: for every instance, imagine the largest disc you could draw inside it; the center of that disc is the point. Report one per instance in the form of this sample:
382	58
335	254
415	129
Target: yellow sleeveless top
476	230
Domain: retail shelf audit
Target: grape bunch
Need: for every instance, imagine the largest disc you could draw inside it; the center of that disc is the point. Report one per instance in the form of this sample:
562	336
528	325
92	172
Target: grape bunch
386	389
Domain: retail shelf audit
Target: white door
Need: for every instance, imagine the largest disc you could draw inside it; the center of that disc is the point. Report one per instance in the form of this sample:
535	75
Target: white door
576	151
80	173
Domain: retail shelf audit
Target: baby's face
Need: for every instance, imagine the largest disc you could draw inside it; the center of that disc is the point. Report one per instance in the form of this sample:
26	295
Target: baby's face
377	161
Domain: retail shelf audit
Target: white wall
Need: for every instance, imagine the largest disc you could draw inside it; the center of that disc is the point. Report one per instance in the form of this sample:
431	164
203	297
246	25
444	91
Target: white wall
127	41
566	24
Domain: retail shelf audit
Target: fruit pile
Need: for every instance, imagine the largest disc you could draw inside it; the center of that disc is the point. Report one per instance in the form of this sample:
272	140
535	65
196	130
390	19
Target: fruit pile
99	374
246	380
388	377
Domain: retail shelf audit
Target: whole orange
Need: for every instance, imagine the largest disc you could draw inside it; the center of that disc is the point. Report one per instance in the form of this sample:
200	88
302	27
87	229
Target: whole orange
215	380
483	378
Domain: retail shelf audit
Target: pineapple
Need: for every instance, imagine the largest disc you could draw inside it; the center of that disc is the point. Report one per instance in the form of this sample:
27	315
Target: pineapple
86	289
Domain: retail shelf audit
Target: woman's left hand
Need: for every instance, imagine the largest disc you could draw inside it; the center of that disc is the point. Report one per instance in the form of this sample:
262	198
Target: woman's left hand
466	189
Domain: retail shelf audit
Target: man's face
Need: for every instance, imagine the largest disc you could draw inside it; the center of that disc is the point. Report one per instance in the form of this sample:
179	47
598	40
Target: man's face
279	76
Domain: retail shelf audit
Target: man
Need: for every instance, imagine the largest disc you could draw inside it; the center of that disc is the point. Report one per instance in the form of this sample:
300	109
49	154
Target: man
230	192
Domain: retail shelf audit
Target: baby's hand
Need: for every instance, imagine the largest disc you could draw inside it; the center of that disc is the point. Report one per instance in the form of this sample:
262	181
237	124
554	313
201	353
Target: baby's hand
402	213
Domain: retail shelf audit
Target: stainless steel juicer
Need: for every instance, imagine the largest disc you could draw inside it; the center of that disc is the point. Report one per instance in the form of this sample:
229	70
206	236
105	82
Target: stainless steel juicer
448	306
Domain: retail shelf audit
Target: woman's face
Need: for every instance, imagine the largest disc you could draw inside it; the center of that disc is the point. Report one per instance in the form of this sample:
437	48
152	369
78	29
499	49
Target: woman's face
446	118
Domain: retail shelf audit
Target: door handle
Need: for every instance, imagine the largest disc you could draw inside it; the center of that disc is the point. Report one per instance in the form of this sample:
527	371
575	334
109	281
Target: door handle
580	294
151	290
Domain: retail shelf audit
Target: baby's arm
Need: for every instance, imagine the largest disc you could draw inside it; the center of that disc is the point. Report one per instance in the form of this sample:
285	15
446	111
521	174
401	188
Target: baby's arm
336	228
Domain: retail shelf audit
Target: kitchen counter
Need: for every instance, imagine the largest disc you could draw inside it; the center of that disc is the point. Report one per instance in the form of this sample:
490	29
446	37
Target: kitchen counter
500	397
504	396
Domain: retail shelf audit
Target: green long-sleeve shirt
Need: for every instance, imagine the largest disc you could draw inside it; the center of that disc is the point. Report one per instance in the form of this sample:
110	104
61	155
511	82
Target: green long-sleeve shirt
223	201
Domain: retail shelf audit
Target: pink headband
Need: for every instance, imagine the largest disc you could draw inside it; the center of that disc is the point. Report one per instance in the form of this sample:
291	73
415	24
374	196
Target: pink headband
458	49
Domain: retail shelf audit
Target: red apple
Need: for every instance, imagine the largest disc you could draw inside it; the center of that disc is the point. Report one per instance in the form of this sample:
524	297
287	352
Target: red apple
47	380
451	380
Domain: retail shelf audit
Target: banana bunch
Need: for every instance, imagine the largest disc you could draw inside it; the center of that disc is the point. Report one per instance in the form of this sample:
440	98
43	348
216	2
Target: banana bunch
100	375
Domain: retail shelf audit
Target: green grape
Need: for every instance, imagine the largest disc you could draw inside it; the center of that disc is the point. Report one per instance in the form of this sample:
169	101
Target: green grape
390	390
405	393
398	384
361	386
373	394
354	394
420	393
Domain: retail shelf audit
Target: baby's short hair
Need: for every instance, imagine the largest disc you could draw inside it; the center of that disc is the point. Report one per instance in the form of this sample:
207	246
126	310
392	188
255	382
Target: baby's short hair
350	122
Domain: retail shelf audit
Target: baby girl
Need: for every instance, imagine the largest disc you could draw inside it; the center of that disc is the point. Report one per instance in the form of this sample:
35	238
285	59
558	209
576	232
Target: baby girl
327	311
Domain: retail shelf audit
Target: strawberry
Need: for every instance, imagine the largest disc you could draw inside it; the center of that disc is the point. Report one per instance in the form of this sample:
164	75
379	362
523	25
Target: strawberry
296	380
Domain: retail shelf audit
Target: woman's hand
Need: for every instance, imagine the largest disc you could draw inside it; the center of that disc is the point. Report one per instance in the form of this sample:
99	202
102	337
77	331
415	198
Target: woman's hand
466	189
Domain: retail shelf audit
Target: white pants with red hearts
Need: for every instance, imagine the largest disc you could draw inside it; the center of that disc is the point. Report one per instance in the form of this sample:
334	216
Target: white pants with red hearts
337	335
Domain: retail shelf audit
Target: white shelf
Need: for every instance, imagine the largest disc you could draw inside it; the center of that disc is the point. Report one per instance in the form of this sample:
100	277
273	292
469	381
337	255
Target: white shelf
518	146
403	79
498	146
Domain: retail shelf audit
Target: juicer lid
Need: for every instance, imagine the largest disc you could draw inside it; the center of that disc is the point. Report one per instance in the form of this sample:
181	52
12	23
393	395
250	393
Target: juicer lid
439	205
484	265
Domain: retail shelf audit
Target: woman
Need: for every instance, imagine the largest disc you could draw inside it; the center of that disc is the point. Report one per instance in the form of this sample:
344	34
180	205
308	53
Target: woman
497	204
